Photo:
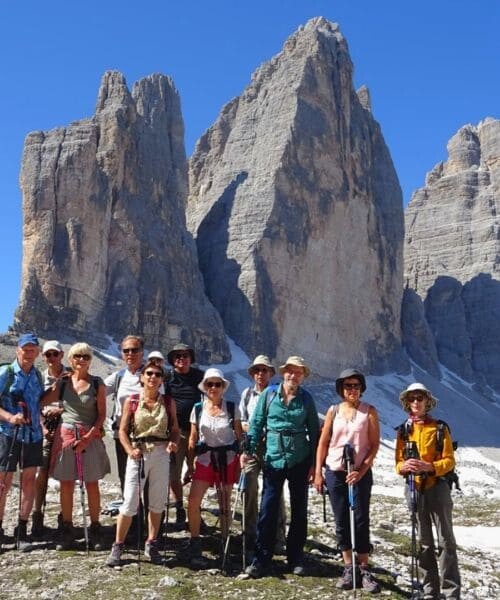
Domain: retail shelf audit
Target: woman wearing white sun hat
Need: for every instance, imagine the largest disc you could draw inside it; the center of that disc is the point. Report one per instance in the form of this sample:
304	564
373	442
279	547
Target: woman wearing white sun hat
214	440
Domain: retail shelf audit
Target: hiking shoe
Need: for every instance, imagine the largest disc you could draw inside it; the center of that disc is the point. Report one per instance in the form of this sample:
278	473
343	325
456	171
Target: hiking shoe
66	536
280	548
151	551
345	582
192	550
115	556
256	569
367	582
95	536
37	525
204	528
299	570
23	543
180	515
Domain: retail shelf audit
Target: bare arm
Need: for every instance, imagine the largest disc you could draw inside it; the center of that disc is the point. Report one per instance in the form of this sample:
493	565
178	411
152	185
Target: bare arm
322	449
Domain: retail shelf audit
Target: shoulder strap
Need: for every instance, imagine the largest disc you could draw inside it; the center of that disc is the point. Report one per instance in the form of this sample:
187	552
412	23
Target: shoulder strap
441	426
335	410
272	392
404	430
230	410
10	378
197	412
247	397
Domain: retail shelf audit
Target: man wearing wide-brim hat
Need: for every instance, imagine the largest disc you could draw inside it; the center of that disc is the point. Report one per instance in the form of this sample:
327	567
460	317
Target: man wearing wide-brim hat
261	371
287	413
182	386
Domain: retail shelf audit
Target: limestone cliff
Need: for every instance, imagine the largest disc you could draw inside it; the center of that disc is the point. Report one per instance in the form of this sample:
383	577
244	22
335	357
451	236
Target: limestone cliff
297	213
105	244
452	252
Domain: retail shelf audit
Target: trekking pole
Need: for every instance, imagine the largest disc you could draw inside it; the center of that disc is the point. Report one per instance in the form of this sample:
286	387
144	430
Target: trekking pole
411	451
19	509
323	493
244	522
240	492
79	473
140	476
349	461
27	421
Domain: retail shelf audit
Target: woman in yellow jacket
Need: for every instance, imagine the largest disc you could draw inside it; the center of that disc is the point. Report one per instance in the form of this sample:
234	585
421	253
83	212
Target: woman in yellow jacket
417	454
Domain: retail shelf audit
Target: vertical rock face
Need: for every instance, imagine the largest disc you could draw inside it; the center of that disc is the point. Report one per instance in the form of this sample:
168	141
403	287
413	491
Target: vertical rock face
452	252
297	213
105	245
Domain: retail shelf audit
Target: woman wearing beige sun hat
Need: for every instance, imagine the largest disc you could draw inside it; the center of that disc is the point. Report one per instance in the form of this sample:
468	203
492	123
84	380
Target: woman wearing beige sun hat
425	465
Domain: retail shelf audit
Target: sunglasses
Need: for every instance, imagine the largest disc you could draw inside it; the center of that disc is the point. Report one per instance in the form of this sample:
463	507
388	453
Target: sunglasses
52	354
416	399
211	384
352	386
81	356
133	350
181	355
260	369
153	374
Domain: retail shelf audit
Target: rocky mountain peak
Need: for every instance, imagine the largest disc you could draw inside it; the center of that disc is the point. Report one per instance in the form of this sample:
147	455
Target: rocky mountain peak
291	190
451	252
104	223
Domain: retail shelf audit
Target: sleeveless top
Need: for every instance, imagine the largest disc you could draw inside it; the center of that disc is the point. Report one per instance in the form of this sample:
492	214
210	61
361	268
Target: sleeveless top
151	423
80	407
349	431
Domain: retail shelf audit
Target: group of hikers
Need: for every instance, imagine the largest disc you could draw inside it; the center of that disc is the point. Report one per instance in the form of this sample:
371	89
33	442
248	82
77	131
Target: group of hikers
174	426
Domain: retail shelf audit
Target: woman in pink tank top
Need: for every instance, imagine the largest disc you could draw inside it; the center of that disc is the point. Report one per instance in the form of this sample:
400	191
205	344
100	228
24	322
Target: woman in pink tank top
351	428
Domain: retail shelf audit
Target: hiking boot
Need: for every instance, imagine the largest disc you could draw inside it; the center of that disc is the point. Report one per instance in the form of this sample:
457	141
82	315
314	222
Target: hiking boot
345	582
115	556
95	536
37	525
180	515
192	550
204	528
299	570
367	582
66	536
151	551
23	543
256	569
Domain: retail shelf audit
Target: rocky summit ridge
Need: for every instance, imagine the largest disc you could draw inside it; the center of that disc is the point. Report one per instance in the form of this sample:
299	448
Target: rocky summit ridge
452	256
297	213
105	244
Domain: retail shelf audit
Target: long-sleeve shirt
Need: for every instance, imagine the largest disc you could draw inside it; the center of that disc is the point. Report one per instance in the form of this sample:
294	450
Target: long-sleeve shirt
425	436
291	429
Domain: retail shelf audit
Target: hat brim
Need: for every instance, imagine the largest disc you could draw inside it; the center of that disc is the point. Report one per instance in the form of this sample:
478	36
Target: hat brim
403	399
306	370
202	388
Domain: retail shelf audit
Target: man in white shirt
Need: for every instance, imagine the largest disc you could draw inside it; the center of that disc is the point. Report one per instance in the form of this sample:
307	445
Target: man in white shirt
261	371
122	384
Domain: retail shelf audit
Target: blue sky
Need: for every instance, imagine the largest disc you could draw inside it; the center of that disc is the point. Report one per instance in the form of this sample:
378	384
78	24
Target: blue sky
431	66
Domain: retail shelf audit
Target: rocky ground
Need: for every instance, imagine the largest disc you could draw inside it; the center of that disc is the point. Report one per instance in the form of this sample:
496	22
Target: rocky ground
47	573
